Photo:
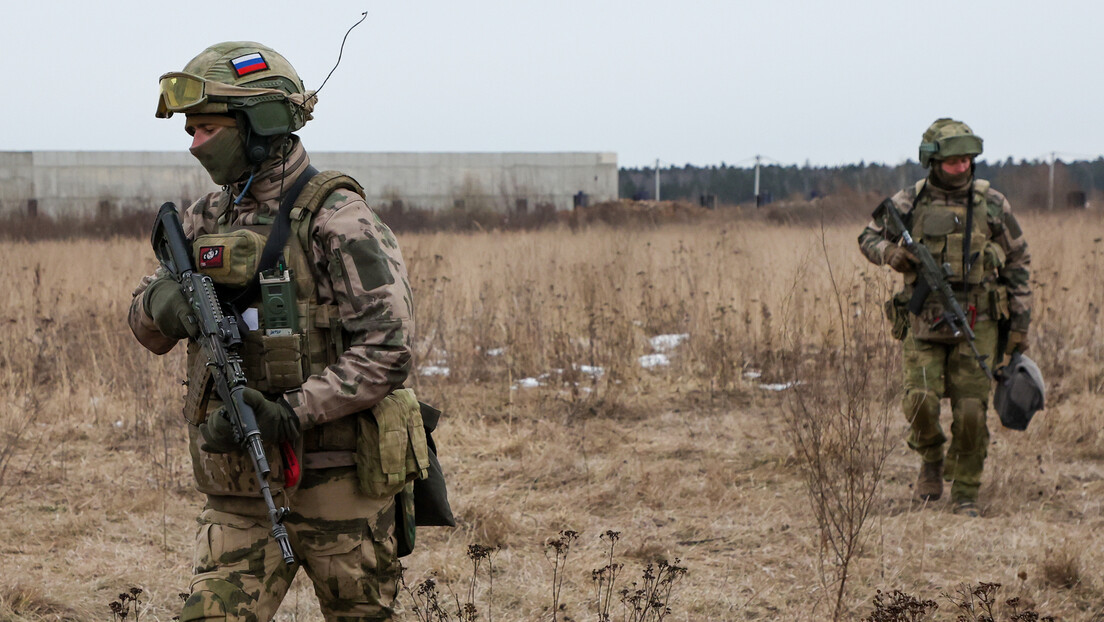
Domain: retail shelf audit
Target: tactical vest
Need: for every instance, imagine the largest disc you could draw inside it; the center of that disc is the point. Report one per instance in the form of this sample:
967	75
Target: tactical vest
940	225
274	361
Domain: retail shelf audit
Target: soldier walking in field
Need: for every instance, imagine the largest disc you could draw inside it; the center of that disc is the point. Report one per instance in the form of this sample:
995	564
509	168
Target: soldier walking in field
326	332
968	226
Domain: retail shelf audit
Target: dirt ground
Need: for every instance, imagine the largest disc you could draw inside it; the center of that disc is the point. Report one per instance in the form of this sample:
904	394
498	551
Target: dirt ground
688	462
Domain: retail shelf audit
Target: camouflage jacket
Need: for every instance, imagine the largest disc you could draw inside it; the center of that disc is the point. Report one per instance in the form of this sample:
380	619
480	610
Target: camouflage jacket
356	265
1002	230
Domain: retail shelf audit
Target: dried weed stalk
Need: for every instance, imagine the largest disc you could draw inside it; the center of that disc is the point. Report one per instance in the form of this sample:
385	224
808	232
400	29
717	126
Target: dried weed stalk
898	606
836	419
605	578
978	603
556	550
650	599
127	603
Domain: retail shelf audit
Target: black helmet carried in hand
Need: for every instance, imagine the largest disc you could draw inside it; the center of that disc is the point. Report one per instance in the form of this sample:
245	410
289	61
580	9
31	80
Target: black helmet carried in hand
1020	392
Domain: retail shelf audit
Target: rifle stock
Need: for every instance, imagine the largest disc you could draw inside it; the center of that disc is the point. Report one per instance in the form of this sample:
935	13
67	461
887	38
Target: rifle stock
219	337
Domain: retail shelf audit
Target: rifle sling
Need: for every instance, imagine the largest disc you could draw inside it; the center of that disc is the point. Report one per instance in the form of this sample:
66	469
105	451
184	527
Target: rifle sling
967	262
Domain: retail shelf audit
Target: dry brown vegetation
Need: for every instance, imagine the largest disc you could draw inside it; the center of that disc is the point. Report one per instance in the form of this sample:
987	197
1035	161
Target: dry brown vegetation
552	423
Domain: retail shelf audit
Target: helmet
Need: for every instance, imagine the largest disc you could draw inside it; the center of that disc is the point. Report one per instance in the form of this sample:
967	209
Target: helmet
1020	392
242	78
946	138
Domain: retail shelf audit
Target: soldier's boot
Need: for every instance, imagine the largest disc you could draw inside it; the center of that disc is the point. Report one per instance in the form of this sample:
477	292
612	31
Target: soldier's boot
929	485
966	507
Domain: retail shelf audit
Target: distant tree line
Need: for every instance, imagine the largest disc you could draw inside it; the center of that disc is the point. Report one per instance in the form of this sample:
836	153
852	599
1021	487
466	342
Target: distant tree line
1026	183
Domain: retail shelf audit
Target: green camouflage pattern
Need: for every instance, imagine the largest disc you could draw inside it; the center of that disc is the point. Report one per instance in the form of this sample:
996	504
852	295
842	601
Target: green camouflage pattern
946	138
933	368
343	540
1002	231
936	370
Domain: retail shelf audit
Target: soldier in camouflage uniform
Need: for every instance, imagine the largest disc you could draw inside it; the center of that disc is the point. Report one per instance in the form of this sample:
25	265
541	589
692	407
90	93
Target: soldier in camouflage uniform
310	389
970	226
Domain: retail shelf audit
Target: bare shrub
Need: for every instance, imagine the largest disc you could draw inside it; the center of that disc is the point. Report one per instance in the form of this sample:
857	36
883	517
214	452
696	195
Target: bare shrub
836	420
898	606
1061	567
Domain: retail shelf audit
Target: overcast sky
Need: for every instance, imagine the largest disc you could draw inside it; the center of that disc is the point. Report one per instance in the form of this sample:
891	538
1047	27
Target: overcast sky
684	81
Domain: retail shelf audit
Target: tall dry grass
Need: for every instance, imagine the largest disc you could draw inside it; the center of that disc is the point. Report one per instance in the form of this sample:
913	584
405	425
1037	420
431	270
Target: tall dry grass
553	423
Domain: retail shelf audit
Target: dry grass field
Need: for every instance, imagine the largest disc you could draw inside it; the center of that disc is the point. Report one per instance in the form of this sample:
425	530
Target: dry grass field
565	412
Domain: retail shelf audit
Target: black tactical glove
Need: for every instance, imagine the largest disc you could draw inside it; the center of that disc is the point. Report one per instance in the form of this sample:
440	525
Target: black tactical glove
218	433
276	420
900	259
164	301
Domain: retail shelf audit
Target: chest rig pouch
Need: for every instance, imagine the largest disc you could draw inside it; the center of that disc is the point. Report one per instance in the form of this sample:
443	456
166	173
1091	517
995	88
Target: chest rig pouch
287	334
230	258
957	233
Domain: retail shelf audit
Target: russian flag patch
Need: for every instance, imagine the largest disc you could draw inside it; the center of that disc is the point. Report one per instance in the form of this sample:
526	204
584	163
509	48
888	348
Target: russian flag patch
248	64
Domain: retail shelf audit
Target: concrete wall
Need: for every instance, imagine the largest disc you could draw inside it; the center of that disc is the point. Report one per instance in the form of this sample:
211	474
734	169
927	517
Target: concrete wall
86	183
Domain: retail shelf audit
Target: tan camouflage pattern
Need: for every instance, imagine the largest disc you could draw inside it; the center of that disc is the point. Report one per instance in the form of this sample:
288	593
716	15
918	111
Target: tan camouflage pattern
142	324
352	277
356	265
1003	231
342	539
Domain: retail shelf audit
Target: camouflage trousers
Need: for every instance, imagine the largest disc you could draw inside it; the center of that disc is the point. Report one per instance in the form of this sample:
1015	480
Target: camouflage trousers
934	371
344	541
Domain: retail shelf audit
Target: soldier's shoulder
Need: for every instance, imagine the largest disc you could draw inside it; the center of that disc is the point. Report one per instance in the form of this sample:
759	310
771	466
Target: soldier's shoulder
335	190
905	198
343	210
202	215
991	194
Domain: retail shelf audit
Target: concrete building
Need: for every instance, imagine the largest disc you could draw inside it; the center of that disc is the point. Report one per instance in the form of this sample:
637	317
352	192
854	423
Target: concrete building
87	183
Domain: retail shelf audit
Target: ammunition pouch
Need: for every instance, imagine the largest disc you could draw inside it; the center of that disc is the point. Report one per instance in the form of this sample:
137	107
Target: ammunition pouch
273	363
391	447
993	257
998	304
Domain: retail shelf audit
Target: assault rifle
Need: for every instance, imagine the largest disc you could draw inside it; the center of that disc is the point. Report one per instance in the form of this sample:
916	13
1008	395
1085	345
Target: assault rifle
933	279
220	339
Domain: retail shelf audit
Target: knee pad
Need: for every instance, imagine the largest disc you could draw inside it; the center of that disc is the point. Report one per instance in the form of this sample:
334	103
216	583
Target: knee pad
970	415
920	407
214	600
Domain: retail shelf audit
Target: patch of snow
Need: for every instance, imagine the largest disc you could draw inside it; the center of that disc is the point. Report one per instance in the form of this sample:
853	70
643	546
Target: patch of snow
649	361
663	343
779	386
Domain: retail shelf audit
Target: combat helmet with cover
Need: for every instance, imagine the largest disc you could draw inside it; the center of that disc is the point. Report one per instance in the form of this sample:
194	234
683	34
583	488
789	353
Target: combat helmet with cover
247	80
946	138
1020	392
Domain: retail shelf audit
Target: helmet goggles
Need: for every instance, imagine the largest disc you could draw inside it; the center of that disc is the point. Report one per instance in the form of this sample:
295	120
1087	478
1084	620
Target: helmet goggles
185	92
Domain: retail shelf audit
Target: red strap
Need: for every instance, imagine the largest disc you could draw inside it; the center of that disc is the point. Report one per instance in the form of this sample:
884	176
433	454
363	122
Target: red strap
291	465
972	312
